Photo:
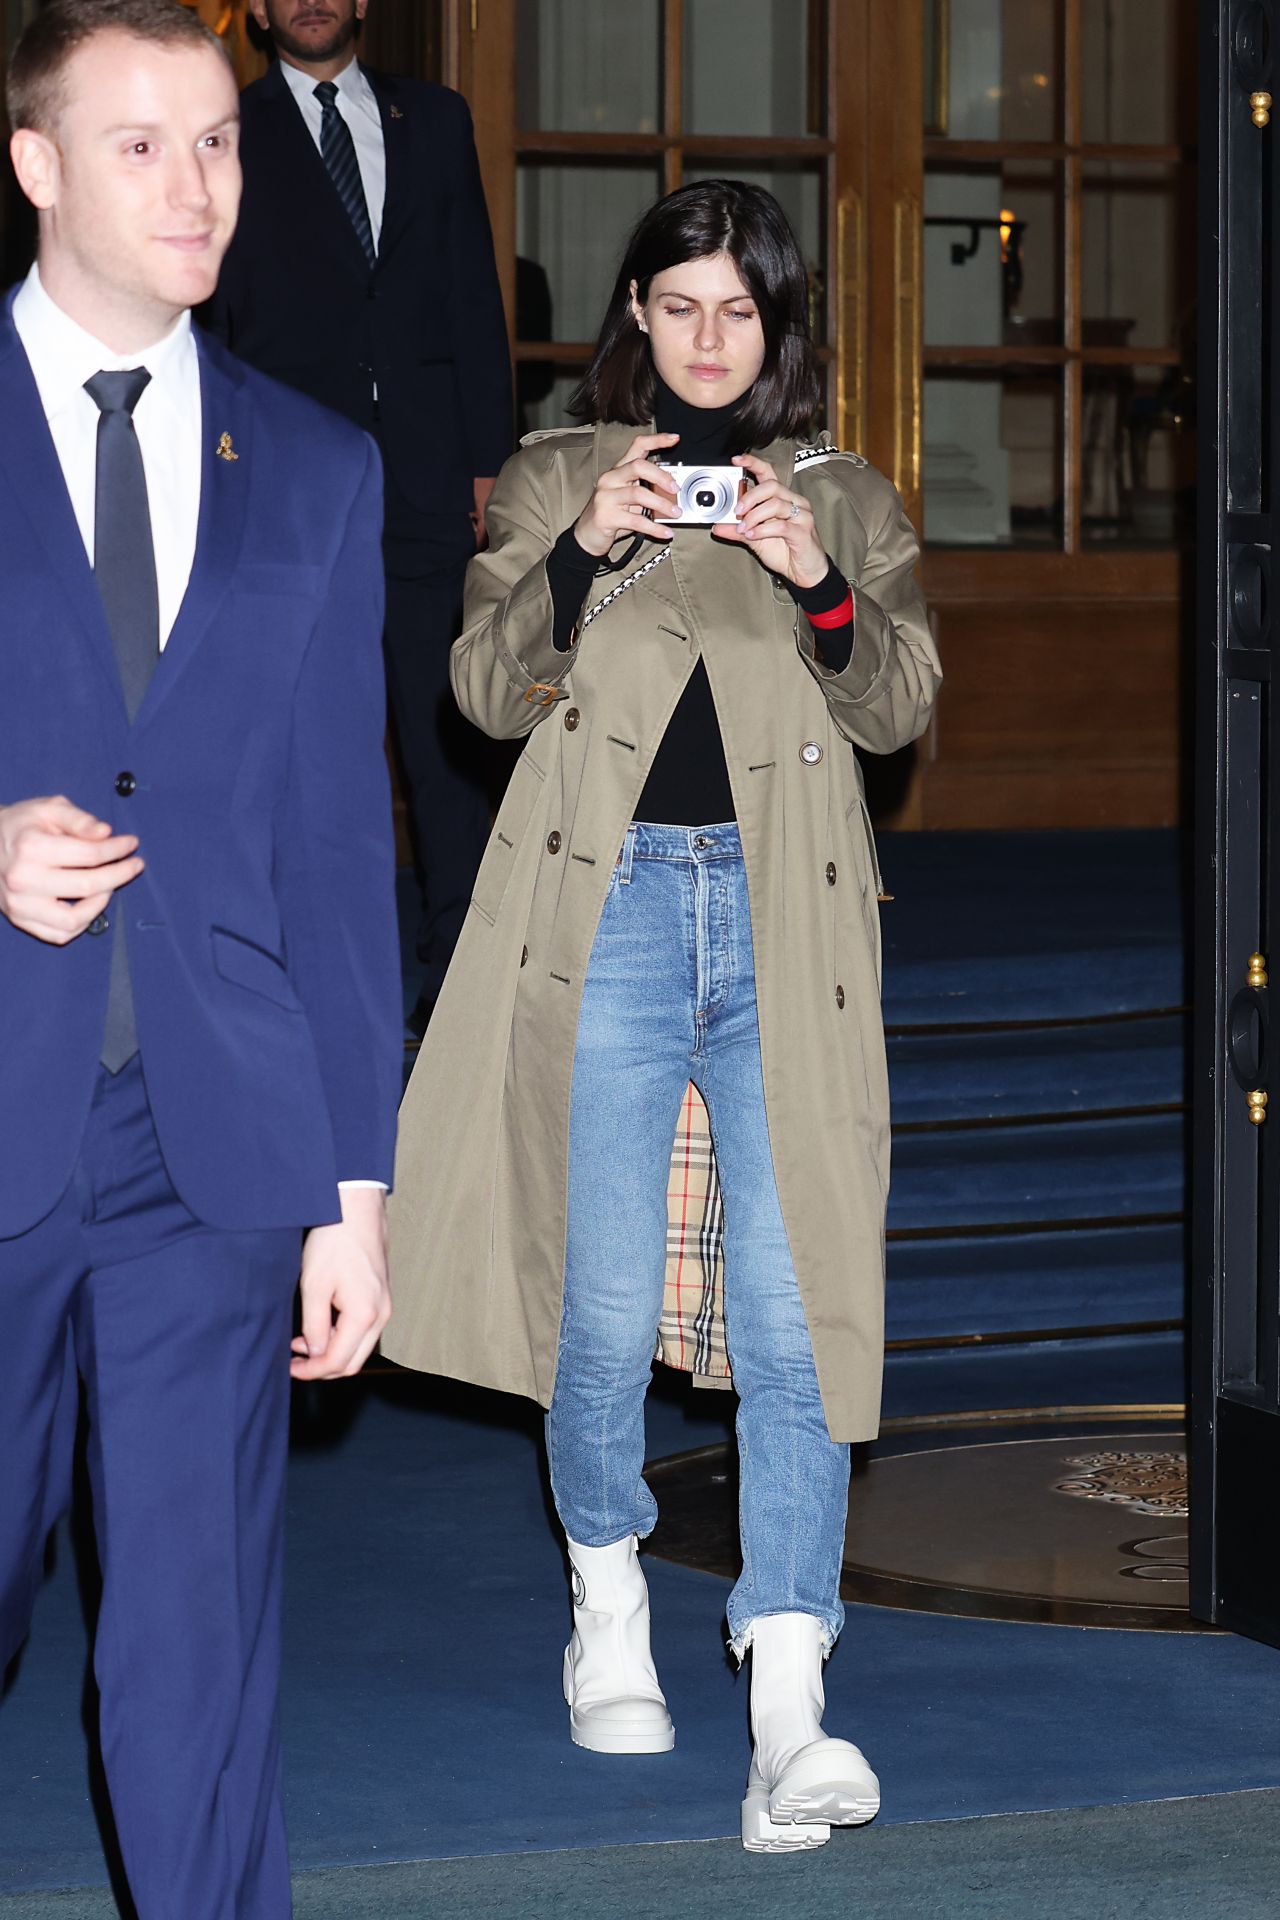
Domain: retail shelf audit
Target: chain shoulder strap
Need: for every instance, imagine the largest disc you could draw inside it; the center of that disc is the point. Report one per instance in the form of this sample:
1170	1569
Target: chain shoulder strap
614	593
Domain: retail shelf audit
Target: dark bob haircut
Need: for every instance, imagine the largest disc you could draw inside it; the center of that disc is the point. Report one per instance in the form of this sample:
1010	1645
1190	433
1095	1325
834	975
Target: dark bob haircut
709	217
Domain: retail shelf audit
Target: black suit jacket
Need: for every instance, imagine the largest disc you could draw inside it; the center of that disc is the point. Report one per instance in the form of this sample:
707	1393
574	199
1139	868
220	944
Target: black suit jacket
425	326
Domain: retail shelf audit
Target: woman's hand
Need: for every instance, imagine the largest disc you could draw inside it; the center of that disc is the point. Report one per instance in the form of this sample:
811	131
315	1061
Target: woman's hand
778	526
626	498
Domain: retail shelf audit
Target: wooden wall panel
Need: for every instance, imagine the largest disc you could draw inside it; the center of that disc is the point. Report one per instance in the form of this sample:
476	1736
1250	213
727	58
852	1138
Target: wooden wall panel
1061	714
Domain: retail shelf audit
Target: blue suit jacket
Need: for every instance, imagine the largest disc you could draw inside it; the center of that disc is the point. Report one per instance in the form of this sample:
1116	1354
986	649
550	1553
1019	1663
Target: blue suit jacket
262	935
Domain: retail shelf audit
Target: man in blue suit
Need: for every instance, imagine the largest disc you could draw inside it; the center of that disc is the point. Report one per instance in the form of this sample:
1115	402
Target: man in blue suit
199	996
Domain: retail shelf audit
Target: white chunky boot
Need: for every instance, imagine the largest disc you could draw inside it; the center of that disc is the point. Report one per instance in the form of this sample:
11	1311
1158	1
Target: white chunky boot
801	1783
615	1702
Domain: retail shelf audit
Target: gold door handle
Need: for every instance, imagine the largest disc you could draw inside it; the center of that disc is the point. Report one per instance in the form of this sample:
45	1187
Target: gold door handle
1257	1107
1257	974
1261	104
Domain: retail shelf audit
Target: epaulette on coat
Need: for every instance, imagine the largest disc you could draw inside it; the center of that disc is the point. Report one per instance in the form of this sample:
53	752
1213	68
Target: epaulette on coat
823	450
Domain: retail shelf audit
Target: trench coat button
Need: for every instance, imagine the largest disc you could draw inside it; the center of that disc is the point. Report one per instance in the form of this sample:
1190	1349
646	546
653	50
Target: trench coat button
571	720
524	956
840	998
811	753
125	785
553	843
99	925
831	873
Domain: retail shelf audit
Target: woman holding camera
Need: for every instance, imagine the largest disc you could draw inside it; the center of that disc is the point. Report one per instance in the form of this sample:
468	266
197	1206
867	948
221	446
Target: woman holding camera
681	885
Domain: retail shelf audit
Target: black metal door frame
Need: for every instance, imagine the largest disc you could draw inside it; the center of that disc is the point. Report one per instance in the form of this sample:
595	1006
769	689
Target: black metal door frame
1235	1252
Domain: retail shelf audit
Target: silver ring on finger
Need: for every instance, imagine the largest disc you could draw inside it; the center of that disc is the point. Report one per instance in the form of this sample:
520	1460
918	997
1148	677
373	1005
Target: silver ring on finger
795	509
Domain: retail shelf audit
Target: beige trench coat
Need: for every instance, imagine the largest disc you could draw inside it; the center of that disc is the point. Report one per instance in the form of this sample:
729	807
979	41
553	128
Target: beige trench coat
478	1214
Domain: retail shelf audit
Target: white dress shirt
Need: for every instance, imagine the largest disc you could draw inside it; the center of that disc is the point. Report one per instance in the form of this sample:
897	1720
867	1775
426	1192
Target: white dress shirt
358	104
167	418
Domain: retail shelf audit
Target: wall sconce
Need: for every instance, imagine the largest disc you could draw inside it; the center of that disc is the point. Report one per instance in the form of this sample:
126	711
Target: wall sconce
1010	230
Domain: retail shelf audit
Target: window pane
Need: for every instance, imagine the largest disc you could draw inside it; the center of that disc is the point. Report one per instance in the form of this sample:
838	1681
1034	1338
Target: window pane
1138	58
798	187
572	222
993	255
753	66
1139	457
1138	259
543	391
584	68
991	69
993	459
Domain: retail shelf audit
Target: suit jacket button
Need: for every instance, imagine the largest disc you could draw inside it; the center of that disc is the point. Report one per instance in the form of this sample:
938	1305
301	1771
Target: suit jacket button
99	925
524	956
840	998
831	873
553	843
125	785
571	719
811	753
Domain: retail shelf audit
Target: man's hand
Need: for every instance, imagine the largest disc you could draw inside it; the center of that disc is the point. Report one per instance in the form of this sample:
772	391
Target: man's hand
59	867
481	489
346	1301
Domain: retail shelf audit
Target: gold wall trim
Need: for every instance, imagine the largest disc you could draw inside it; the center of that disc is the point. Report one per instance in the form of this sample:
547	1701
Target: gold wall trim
908	270
851	350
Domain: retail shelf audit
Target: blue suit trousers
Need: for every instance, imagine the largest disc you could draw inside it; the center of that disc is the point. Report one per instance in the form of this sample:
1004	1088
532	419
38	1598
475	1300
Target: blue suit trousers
180	1334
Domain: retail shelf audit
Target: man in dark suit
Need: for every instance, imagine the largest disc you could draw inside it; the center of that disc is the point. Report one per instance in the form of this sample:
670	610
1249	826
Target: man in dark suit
362	272
199	995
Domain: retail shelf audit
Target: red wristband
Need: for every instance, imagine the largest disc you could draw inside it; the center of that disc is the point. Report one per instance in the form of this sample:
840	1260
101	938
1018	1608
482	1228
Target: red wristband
838	617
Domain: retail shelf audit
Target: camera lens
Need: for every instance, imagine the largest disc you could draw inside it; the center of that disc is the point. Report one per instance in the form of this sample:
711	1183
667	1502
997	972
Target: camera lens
705	497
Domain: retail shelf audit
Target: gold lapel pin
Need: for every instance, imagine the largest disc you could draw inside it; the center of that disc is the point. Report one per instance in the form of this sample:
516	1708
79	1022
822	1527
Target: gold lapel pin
395	113
226	450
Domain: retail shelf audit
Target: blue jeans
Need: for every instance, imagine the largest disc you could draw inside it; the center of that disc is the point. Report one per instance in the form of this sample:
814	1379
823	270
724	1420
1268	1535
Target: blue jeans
669	997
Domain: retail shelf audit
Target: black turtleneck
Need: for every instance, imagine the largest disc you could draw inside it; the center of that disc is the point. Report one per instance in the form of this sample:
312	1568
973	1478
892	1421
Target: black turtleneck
688	783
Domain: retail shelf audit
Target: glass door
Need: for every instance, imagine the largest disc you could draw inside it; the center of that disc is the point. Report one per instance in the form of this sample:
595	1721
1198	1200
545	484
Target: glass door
609	107
1059	205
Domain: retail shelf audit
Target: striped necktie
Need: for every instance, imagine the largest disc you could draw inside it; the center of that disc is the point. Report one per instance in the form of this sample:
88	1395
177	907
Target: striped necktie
338	151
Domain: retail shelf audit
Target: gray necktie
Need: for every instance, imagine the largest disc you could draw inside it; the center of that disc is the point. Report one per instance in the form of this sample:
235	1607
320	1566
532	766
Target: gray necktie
124	566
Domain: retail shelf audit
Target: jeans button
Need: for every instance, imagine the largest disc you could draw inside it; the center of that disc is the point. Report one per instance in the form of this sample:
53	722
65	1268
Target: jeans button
700	841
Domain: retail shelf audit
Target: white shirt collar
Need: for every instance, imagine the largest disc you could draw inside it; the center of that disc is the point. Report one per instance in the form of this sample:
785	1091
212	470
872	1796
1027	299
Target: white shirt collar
63	355
352	84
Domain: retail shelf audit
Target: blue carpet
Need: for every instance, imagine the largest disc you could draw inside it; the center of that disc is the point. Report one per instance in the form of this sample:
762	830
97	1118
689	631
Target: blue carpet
1071	1170
1031	926
1055	1069
1162	1860
427	1609
1027	1282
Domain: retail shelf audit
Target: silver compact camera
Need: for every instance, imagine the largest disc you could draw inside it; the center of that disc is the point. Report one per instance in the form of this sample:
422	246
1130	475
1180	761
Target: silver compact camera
704	495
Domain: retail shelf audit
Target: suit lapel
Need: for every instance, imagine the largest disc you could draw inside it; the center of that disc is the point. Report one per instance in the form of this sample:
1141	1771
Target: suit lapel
294	156
396	139
226	454
30	462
